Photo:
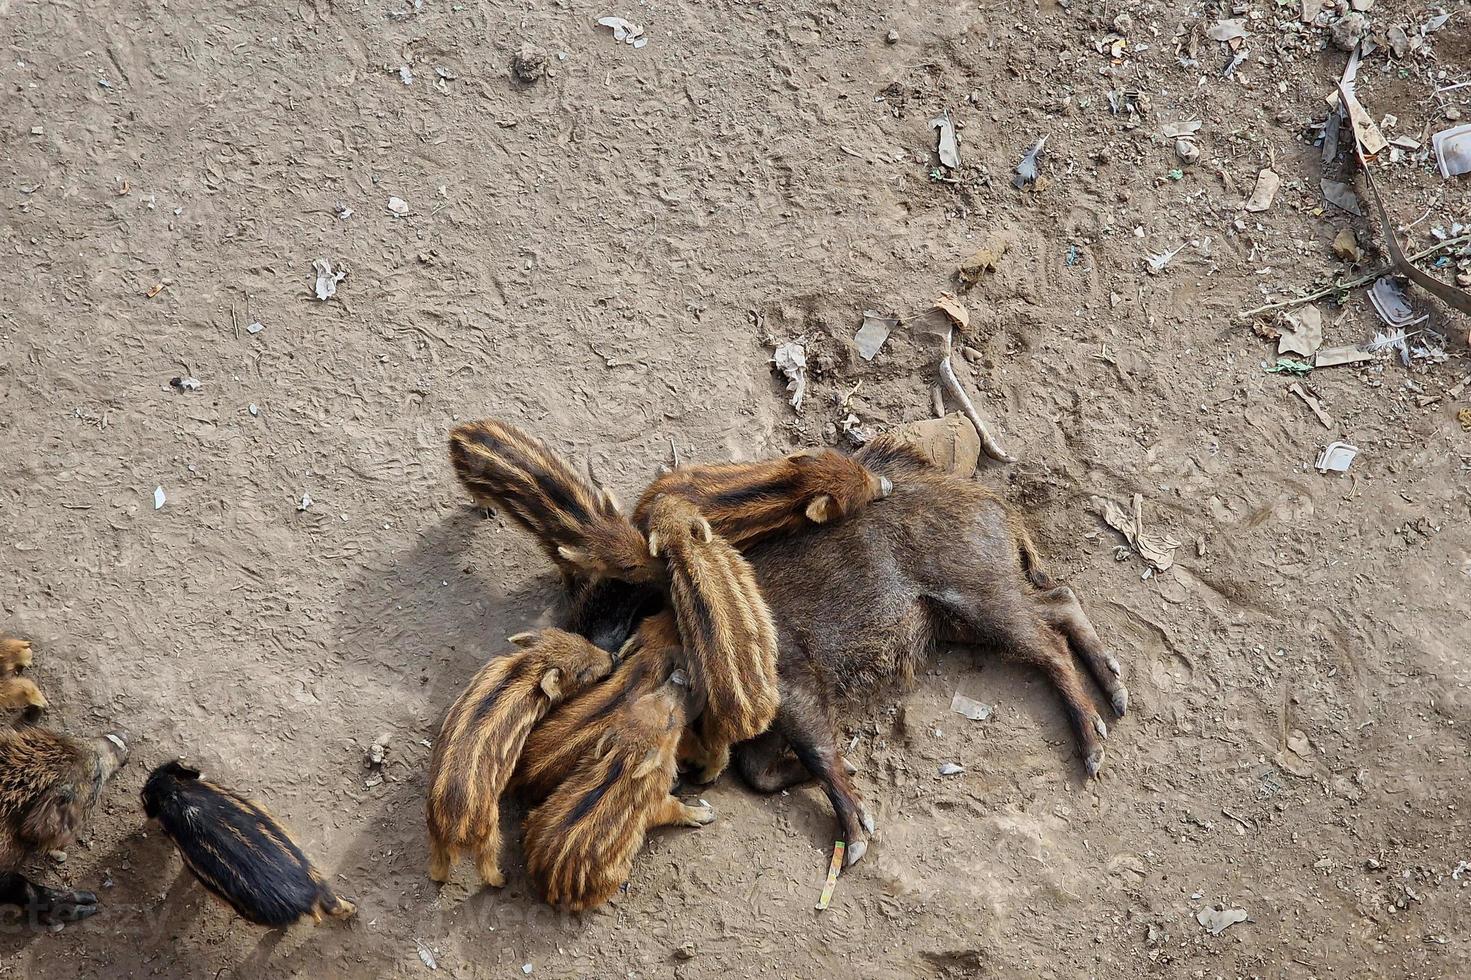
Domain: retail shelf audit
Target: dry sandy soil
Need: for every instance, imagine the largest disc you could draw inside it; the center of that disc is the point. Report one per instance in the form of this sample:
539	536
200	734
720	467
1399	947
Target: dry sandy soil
601	256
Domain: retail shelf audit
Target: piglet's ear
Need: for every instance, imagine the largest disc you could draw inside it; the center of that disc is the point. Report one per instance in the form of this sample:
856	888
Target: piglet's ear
653	544
821	509
551	683
703	530
522	639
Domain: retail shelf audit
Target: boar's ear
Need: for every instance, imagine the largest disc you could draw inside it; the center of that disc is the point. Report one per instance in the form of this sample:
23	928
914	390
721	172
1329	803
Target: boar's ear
610	502
551	683
703	531
821	509
523	639
55	816
653	544
179	770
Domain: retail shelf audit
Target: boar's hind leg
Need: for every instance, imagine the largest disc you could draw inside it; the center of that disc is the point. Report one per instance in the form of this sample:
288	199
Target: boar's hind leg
1018	633
765	764
810	733
1060	609
42	905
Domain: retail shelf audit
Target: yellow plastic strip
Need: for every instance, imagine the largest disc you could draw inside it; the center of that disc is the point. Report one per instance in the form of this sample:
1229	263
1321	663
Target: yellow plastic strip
832	875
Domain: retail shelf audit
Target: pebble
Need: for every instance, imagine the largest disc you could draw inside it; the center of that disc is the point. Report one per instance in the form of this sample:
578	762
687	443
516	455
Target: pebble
892	37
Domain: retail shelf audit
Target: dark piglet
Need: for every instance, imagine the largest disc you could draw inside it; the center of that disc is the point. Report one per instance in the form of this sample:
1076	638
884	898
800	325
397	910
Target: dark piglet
237	850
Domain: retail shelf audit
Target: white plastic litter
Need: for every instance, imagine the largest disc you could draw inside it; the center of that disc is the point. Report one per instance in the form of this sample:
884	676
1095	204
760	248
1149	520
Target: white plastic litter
624	30
327	279
791	360
1336	457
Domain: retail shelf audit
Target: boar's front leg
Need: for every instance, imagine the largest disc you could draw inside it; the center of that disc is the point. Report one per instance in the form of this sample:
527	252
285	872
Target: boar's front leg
42	905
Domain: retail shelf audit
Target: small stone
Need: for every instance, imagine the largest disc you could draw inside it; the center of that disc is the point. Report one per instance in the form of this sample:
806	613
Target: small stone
1452	113
1187	151
1348	30
254	409
950	769
58	856
1122	23
890	38
1346	246
687	951
529	64
1372	864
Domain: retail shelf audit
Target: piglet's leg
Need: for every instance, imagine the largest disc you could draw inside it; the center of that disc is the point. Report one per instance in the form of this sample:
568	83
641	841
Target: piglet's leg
674	812
44	906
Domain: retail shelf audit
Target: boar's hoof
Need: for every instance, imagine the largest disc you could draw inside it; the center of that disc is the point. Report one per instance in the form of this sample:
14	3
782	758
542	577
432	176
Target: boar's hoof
701	815
1094	762
855	853
1120	699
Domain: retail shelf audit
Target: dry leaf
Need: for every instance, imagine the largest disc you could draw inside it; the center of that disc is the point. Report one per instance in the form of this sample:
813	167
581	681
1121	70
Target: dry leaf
953	310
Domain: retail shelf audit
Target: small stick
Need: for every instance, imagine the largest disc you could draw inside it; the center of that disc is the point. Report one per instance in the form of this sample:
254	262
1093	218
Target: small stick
673	452
833	868
989	445
1352	283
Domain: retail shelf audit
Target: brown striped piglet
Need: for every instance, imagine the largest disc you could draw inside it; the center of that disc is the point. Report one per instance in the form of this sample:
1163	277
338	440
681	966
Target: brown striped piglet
482	738
49	783
750	502
581	842
727	632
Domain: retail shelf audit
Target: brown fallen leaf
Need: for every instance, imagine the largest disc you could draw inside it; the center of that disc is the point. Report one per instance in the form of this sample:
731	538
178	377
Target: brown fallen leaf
1346	246
980	262
954	310
1265	329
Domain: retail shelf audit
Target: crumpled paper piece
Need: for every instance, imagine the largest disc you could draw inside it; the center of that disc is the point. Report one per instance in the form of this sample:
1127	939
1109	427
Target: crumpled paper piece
1157	550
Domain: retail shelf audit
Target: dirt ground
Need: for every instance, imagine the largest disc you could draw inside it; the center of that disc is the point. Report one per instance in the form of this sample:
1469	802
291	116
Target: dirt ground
601	256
